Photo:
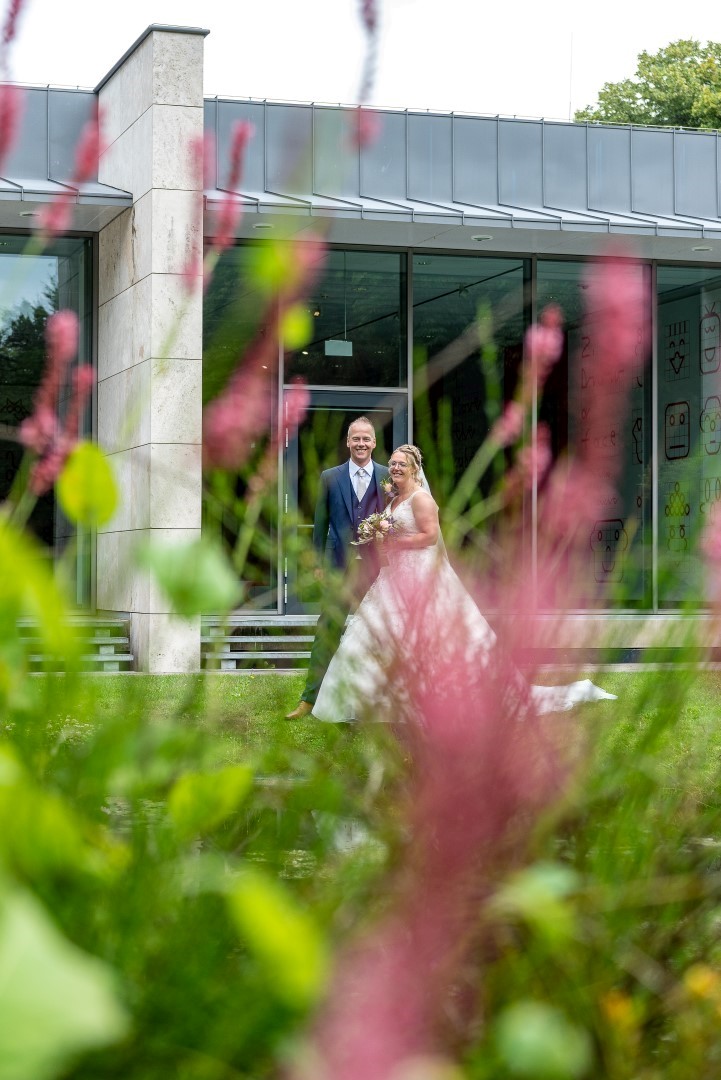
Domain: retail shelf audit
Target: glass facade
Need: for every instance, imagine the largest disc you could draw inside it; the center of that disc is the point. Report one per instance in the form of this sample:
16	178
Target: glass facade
32	287
689	423
451	293
238	320
358	308
369	308
618	564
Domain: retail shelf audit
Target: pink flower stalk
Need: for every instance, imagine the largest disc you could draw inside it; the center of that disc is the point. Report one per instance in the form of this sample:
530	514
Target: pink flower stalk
481	766
231	208
11	103
369	15
11	22
532	463
42	433
365	128
297	400
574	498
369	18
618	328
508	427
711	549
55	218
242	413
38	431
535	460
542	348
200	151
47	468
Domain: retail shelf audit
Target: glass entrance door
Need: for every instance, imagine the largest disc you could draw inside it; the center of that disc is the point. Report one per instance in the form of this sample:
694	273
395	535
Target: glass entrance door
320	443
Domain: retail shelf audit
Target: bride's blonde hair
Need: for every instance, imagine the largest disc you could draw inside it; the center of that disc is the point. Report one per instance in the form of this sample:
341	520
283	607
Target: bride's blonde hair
413	456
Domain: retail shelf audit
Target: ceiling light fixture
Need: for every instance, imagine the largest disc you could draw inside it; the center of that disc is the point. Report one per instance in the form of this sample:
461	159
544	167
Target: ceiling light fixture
263	225
702	247
480	237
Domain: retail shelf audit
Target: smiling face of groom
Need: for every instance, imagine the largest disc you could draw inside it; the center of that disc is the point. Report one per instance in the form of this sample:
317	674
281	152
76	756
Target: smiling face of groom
361	442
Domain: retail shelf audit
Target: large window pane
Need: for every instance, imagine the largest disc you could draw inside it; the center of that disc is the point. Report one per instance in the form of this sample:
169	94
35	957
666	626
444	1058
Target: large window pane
689	416
618	564
237	315
32	287
358	309
450	292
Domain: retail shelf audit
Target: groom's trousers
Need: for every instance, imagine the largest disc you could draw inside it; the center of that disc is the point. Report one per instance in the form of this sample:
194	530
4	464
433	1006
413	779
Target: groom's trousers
336	605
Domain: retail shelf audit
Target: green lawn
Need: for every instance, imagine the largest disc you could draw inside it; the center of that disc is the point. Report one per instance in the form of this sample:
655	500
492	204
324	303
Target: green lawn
145	801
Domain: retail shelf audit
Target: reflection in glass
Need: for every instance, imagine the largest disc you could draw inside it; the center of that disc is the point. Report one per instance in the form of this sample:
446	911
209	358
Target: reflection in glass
450	292
619	564
319	444
236	313
689	417
358	312
32	287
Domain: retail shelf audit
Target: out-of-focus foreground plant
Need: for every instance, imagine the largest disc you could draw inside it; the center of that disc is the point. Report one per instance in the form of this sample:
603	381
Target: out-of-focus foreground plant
473	892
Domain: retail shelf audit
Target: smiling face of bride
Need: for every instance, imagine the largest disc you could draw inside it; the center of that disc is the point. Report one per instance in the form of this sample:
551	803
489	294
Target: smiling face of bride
404	472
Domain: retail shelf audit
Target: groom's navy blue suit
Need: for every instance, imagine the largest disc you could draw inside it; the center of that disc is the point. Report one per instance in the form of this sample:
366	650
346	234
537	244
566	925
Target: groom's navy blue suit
337	516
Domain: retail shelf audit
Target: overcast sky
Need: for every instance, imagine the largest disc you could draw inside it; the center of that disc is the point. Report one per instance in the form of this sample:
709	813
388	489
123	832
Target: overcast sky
515	58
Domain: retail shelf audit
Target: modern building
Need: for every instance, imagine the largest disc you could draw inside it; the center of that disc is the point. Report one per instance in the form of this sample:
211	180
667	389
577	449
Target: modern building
435	219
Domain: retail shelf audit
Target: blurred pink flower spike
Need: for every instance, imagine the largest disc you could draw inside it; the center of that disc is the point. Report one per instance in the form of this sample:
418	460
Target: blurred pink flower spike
46	470
38	431
542	349
56	217
365	128
42	432
10	25
711	549
11	104
231	208
508	427
481	767
369	15
297	400
242	412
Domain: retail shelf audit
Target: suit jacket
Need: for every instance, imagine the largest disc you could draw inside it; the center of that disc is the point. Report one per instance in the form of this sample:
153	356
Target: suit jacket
333	524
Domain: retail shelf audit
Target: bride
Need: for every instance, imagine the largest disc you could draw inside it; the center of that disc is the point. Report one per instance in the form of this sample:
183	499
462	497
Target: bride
417	624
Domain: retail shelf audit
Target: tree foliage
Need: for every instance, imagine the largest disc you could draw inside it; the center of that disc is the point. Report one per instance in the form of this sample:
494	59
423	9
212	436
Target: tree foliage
679	86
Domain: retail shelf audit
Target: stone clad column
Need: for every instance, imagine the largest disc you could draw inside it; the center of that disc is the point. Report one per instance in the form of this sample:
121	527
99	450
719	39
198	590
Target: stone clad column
150	332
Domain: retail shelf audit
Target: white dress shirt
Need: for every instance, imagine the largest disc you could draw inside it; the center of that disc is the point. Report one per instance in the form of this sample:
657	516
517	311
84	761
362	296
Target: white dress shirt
355	469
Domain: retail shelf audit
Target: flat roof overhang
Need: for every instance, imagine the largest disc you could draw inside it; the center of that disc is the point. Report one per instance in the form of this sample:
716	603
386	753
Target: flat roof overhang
93	206
522	232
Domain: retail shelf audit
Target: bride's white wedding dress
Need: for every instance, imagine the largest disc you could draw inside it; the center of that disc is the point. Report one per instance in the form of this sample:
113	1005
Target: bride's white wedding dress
415	624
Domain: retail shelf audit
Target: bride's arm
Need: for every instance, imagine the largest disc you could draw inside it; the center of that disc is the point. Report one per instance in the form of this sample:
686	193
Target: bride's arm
425	512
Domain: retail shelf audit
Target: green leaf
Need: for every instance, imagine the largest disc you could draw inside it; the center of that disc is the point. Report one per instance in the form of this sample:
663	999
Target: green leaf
41	833
199	802
196	577
285	940
539	896
296	327
537	1041
86	487
55	1001
29	590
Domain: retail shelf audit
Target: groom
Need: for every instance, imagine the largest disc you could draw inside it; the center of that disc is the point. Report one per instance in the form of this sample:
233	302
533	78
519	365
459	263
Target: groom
348	493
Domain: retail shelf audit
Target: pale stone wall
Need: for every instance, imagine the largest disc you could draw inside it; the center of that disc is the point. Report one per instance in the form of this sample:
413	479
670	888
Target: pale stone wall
150	334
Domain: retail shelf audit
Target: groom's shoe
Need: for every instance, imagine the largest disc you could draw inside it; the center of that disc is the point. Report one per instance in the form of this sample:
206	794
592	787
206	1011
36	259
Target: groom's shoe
304	709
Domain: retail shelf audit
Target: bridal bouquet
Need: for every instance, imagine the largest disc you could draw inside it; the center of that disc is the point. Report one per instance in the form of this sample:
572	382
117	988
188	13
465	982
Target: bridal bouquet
381	526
